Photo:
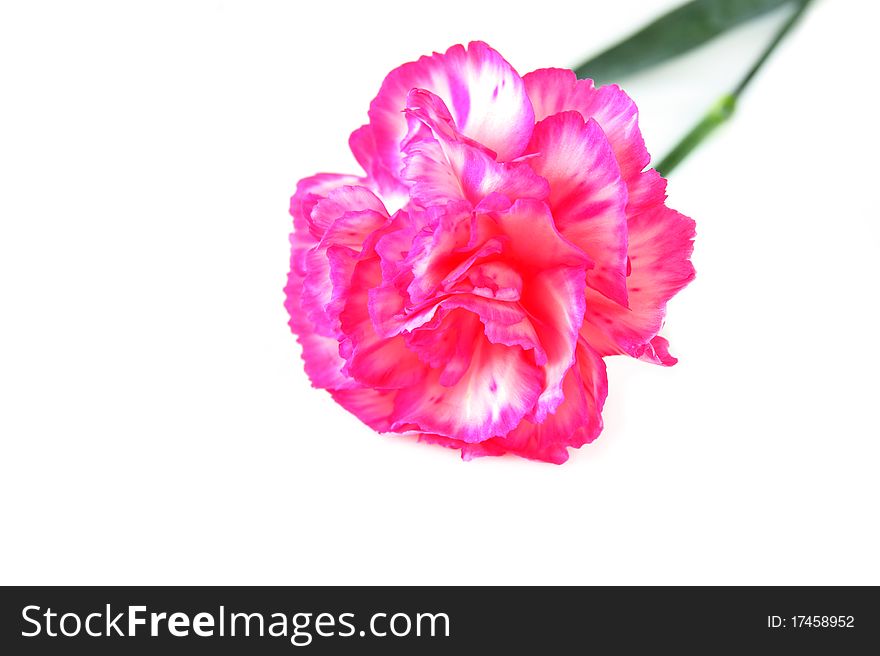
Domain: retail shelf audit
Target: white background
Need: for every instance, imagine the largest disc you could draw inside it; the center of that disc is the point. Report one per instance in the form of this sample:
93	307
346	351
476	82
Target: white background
157	426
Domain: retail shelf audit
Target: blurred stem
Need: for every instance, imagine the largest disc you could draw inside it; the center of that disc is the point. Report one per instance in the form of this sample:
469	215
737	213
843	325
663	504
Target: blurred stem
725	106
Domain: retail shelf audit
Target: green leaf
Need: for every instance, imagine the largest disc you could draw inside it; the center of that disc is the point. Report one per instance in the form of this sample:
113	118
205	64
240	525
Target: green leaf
673	34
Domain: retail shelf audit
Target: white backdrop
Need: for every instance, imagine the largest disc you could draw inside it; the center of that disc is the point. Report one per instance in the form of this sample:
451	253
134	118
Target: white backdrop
157	426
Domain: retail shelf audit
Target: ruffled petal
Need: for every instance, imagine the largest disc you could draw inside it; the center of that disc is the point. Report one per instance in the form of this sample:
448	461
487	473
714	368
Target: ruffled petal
554	273
309	191
533	243
330	263
340	201
380	173
320	353
322	362
439	263
577	421
443	165
554	90
317	291
504	323
554	299
660	245
646	190
320	348
587	195
373	407
371	359
484	93
499	387
298	322
446	343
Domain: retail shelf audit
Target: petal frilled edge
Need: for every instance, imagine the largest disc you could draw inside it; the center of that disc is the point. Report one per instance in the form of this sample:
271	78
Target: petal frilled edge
311	190
554	90
443	165
373	407
342	222
576	422
485	94
319	346
660	246
499	388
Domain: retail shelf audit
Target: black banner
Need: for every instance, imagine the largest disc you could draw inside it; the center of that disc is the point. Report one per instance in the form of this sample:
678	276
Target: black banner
434	620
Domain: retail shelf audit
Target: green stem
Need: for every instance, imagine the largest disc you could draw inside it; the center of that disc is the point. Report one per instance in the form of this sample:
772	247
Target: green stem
724	108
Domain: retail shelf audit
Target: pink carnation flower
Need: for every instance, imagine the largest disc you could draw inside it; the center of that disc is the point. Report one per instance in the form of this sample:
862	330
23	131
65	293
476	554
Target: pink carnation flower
504	239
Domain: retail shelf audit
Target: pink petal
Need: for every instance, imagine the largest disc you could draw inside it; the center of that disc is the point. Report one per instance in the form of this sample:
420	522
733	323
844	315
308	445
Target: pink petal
554	282
319	353
503	323
380	172
384	363
330	263
311	190
318	340
554	90
554	298
500	386
485	95
577	421
444	166
657	350
372	360
497	280
587	196
447	344
424	108
322	362
298	322
444	251
339	202
646	190
394	245
373	407
317	291
660	245
533	242
388	311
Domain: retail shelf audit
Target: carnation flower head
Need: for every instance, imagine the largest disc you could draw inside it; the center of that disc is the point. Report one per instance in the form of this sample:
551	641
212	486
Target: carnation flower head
504	238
